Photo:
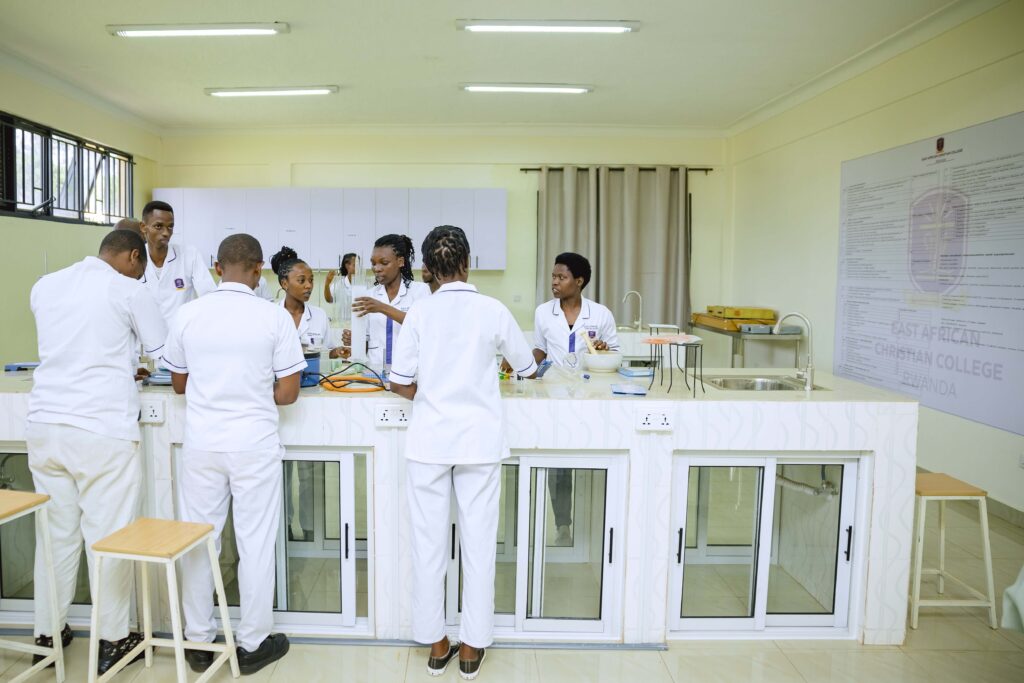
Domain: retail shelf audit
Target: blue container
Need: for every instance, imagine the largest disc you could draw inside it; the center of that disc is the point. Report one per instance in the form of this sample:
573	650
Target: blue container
311	375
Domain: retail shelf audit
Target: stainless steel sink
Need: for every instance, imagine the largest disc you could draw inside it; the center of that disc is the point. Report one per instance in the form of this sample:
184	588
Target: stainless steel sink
756	383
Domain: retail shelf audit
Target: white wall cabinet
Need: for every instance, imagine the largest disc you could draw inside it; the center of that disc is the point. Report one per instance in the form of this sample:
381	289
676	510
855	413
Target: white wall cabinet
322	224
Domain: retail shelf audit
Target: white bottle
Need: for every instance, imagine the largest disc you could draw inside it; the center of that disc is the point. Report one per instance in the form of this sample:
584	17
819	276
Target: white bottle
360	287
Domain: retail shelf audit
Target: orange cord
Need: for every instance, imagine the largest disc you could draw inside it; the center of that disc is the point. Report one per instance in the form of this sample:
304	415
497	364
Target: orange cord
352	384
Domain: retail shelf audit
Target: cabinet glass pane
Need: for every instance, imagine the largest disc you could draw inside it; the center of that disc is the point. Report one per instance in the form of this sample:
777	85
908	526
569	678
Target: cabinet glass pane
802	575
18	540
565	571
719	578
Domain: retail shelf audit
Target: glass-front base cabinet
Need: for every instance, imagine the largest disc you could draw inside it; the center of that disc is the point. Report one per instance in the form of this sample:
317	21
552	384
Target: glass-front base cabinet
560	548
761	542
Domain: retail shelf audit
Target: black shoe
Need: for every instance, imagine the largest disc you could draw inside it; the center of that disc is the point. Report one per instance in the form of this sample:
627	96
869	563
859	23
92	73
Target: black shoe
436	666
113	652
66	636
469	669
199	660
270	650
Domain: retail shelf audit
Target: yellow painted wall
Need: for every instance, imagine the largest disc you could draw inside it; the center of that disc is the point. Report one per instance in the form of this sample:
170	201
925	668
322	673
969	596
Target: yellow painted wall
782	249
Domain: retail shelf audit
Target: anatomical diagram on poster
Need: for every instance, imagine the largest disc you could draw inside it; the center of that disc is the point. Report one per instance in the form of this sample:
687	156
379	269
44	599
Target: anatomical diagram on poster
930	295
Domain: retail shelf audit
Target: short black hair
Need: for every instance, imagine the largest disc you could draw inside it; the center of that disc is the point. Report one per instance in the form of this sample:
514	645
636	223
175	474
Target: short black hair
240	249
578	265
155	205
129	224
283	261
402	246
120	241
446	251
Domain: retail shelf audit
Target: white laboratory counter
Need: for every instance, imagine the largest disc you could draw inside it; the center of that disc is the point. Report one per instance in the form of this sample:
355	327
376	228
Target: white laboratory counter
766	514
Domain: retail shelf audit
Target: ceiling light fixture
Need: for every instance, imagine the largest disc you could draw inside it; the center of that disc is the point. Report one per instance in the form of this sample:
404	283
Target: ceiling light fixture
530	88
526	26
195	30
291	91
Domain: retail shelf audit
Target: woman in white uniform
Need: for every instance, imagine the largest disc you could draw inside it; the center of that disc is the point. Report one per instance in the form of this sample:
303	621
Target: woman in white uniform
348	268
390	298
557	325
455	443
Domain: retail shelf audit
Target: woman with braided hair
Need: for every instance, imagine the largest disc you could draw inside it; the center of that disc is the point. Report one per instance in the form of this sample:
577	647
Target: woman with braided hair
390	299
445	364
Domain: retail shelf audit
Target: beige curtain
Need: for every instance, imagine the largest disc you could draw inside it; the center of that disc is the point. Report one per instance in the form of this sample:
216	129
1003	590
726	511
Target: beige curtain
566	220
634	227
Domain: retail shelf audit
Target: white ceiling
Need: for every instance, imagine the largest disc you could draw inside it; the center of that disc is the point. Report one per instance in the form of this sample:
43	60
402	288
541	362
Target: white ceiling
694	63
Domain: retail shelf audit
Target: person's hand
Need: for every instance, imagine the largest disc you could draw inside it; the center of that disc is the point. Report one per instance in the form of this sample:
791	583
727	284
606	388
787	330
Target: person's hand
505	366
601	345
341	352
141	373
330	276
367	304
346	337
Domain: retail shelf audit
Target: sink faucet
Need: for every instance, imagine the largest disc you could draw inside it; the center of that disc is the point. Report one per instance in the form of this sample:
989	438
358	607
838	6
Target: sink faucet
808	373
638	323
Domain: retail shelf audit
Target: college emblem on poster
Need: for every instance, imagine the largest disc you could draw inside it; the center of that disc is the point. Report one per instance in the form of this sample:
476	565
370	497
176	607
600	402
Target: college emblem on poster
938	240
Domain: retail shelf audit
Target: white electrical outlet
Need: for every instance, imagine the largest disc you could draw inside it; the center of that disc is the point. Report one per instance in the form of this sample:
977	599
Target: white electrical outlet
653	419
391	415
152	412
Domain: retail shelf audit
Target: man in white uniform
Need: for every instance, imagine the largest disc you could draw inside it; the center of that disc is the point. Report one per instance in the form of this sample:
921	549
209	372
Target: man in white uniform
445	363
82	431
225	351
175	274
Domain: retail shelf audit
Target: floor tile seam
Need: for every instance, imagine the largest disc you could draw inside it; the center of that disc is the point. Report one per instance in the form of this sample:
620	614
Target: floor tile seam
796	668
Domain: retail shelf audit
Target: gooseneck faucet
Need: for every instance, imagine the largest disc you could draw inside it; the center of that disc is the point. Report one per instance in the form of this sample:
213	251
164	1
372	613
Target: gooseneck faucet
808	374
638	323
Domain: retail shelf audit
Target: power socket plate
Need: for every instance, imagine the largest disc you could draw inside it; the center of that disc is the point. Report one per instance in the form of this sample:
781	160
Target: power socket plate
653	419
152	411
391	415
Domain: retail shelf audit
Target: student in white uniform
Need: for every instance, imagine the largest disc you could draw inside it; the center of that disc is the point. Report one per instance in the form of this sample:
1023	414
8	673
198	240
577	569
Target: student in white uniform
175	273
428	278
82	431
347	270
264	291
234	356
390	298
445	363
556	327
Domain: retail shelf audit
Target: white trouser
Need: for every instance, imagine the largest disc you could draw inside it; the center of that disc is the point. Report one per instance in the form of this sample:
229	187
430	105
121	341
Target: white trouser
94	483
251	482
477	490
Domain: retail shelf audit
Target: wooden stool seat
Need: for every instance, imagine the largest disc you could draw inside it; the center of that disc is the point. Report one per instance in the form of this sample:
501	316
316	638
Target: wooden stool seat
149	537
15	502
941	488
938	484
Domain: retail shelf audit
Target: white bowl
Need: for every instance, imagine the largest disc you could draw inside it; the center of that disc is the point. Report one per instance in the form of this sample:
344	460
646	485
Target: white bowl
602	361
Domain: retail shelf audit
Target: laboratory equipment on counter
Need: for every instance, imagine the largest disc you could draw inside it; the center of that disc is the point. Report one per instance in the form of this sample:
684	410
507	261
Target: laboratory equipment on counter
311	375
360	287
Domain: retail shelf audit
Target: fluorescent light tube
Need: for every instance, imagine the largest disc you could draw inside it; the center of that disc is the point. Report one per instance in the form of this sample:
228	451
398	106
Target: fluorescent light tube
195	30
527	26
530	88
273	92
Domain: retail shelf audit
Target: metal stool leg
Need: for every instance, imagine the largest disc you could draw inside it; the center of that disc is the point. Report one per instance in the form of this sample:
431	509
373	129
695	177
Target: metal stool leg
915	599
51	586
991	593
94	622
175	609
147	615
942	547
222	601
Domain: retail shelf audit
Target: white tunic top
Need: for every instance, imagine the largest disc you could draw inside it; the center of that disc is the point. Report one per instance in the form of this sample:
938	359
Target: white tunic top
448	347
313	325
183	277
263	290
89	321
232	345
551	333
378	324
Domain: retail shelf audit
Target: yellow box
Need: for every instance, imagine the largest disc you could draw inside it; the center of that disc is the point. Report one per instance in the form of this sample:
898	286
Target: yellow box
742	312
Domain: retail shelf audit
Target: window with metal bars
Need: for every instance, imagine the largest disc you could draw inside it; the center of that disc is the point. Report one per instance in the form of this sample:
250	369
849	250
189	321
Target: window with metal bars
45	172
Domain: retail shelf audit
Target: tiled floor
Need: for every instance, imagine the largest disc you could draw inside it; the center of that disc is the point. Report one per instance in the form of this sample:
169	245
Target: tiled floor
951	646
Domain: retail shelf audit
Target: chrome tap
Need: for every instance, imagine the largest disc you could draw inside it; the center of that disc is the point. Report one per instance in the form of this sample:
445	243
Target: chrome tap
808	373
638	323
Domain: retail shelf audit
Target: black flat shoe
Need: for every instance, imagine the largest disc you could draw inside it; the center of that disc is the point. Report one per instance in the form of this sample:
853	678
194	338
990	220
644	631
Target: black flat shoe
113	652
436	666
270	650
66	636
199	660
471	668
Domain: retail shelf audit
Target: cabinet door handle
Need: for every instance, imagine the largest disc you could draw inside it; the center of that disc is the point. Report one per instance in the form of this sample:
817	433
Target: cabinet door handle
477	262
346	540
849	542
611	544
679	550
453	541
211	261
